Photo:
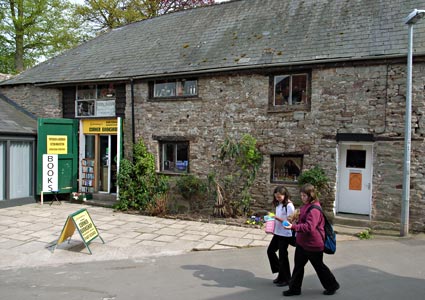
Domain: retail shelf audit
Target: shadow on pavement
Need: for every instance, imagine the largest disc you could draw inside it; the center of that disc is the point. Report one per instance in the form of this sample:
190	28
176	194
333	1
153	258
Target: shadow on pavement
357	282
226	278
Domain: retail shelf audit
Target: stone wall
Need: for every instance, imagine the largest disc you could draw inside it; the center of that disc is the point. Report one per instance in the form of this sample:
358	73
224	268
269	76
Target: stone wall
354	99
42	102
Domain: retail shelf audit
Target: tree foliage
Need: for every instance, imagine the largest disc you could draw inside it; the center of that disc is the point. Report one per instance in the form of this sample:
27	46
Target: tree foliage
103	15
33	30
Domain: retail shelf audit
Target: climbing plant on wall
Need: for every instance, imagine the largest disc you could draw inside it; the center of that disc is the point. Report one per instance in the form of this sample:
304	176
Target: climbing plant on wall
240	161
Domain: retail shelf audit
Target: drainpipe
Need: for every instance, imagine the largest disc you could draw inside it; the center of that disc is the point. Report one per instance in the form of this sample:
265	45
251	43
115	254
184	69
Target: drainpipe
133	130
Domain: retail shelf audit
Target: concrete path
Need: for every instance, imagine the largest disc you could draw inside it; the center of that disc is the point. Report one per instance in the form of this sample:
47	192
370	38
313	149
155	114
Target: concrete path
28	235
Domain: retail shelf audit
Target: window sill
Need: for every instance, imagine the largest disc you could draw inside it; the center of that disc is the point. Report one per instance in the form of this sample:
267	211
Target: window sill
284	182
170	173
288	108
170	99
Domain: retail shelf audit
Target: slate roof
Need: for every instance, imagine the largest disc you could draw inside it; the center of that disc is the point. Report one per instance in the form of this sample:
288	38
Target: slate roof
238	34
14	120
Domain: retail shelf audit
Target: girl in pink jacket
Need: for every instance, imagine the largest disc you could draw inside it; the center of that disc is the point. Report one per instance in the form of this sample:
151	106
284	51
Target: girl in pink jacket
310	245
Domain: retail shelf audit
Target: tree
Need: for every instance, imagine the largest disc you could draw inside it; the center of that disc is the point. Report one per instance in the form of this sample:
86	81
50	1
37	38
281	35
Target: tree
104	15
33	30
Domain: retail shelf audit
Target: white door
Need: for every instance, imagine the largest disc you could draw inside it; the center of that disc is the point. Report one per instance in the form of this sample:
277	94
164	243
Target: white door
355	178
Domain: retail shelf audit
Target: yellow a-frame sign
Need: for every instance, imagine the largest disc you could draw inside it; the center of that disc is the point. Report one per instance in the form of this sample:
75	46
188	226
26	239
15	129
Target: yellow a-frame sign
81	221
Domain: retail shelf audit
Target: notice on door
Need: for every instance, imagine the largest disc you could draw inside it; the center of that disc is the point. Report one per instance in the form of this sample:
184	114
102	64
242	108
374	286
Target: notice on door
355	181
57	144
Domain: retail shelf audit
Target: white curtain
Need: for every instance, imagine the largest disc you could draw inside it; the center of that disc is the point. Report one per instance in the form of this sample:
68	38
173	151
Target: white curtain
2	170
20	169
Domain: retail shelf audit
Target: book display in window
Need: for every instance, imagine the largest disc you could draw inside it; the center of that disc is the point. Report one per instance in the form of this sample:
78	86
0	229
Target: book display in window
286	168
175	88
95	100
88	176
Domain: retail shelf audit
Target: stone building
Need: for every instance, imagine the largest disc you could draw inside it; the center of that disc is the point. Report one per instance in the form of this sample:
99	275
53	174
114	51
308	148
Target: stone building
318	82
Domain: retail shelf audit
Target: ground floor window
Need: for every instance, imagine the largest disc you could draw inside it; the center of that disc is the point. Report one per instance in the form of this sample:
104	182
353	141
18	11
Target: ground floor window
285	167
16	169
2	170
174	156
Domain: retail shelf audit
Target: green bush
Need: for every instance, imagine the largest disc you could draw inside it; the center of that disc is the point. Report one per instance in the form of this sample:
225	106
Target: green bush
139	185
315	176
189	186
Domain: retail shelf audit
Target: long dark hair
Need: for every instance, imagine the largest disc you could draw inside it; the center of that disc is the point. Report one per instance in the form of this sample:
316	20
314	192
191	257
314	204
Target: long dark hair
283	191
310	191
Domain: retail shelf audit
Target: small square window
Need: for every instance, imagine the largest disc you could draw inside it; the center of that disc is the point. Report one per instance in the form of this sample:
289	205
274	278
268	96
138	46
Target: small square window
106	91
86	92
174	157
356	159
291	89
85	108
286	168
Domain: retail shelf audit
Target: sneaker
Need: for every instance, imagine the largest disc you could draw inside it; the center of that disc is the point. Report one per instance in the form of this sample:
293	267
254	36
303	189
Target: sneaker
291	293
331	292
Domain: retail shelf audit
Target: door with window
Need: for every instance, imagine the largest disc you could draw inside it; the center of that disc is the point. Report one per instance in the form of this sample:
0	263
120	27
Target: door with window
100	146
355	178
108	163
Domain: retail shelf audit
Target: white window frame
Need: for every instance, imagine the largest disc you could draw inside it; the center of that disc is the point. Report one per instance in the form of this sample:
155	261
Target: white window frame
278	78
175	161
175	89
93	104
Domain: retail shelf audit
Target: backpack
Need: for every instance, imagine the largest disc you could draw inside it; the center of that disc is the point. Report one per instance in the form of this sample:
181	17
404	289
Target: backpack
330	236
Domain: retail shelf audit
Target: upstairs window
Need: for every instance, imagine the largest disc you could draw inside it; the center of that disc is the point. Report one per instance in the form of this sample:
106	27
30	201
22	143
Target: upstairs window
95	100
174	156
291	89
174	88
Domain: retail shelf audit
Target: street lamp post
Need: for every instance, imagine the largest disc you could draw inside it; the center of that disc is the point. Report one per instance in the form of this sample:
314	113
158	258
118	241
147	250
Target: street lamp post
410	20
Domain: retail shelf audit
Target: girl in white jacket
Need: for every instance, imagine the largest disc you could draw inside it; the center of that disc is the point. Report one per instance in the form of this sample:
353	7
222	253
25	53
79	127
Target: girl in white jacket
281	238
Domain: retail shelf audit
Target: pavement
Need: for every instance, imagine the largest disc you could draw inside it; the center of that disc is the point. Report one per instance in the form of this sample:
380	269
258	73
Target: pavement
29	233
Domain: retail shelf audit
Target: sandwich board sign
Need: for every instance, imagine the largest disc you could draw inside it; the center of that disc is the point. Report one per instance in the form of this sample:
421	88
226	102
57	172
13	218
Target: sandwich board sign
81	221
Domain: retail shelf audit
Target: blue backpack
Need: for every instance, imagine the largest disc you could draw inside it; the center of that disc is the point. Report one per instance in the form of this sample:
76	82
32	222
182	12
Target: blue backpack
330	236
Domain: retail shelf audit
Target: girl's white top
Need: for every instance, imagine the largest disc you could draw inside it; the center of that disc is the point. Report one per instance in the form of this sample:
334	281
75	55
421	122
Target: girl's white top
283	213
